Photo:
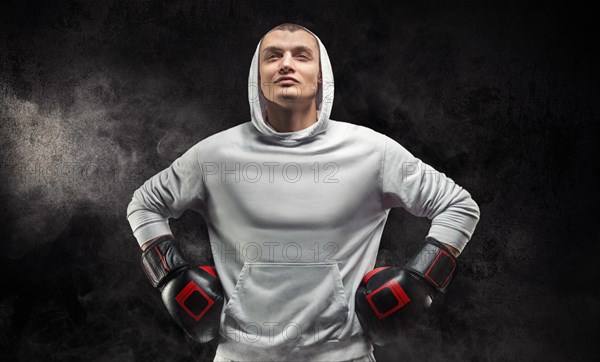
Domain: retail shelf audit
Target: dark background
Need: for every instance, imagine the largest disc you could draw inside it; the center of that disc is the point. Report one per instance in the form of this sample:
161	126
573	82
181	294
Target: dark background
98	96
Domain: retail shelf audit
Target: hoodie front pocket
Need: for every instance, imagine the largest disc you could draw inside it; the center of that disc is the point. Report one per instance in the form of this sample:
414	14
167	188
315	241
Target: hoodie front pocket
276	304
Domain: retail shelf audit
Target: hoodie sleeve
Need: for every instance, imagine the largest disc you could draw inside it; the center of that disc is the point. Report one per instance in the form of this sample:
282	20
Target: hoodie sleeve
412	184
166	195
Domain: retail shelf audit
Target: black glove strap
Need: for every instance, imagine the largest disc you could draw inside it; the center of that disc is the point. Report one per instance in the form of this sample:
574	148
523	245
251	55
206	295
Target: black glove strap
434	263
161	258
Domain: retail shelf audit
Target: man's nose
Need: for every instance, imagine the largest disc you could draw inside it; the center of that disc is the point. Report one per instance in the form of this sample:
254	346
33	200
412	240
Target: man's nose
287	62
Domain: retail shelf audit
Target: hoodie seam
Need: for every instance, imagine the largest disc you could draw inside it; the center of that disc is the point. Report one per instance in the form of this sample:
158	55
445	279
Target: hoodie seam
381	172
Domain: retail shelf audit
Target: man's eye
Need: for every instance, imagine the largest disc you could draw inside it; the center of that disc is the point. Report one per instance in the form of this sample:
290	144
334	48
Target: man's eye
270	56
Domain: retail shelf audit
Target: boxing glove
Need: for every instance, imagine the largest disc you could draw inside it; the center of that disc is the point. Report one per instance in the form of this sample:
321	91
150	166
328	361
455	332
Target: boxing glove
391	301
193	296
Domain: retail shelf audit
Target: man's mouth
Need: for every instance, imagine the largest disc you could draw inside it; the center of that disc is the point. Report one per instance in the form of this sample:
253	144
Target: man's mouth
286	80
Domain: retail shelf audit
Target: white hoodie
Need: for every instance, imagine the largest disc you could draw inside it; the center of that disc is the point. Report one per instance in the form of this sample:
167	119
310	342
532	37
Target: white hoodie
295	221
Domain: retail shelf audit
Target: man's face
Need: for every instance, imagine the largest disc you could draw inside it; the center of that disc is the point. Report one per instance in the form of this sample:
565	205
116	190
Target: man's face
294	55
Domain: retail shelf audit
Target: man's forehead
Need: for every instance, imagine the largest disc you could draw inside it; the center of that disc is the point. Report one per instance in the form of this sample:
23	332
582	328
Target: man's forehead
281	39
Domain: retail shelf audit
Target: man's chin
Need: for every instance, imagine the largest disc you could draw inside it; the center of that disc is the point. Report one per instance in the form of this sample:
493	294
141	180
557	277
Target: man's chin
291	99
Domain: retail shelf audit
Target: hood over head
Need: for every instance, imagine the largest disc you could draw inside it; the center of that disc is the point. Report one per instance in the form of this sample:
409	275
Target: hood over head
324	100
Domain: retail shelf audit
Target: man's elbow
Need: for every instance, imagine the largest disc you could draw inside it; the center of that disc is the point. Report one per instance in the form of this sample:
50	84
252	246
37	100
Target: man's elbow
133	206
470	206
476	210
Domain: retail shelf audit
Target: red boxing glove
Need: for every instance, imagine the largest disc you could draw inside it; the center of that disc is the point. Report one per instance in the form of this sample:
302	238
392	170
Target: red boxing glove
390	300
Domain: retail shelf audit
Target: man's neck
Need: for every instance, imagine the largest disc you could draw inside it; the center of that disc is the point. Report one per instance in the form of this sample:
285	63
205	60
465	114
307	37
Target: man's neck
291	120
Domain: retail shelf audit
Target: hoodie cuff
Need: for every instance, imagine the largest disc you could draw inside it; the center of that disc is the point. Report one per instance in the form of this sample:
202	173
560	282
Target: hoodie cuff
450	236
151	231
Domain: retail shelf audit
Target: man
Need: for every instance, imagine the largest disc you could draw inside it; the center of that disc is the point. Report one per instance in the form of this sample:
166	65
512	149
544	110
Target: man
295	204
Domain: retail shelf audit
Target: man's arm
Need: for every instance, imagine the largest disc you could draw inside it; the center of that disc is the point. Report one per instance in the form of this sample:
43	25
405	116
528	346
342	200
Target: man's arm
391	301
410	183
166	195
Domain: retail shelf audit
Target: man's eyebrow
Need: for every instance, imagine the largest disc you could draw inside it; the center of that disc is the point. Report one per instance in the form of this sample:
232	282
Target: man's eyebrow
299	47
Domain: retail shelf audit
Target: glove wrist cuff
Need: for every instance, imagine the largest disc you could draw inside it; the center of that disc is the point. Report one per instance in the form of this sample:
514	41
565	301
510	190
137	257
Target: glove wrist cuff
162	259
434	263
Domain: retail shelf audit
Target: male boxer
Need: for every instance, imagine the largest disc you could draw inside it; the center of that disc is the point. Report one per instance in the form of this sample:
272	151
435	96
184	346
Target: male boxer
295	204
